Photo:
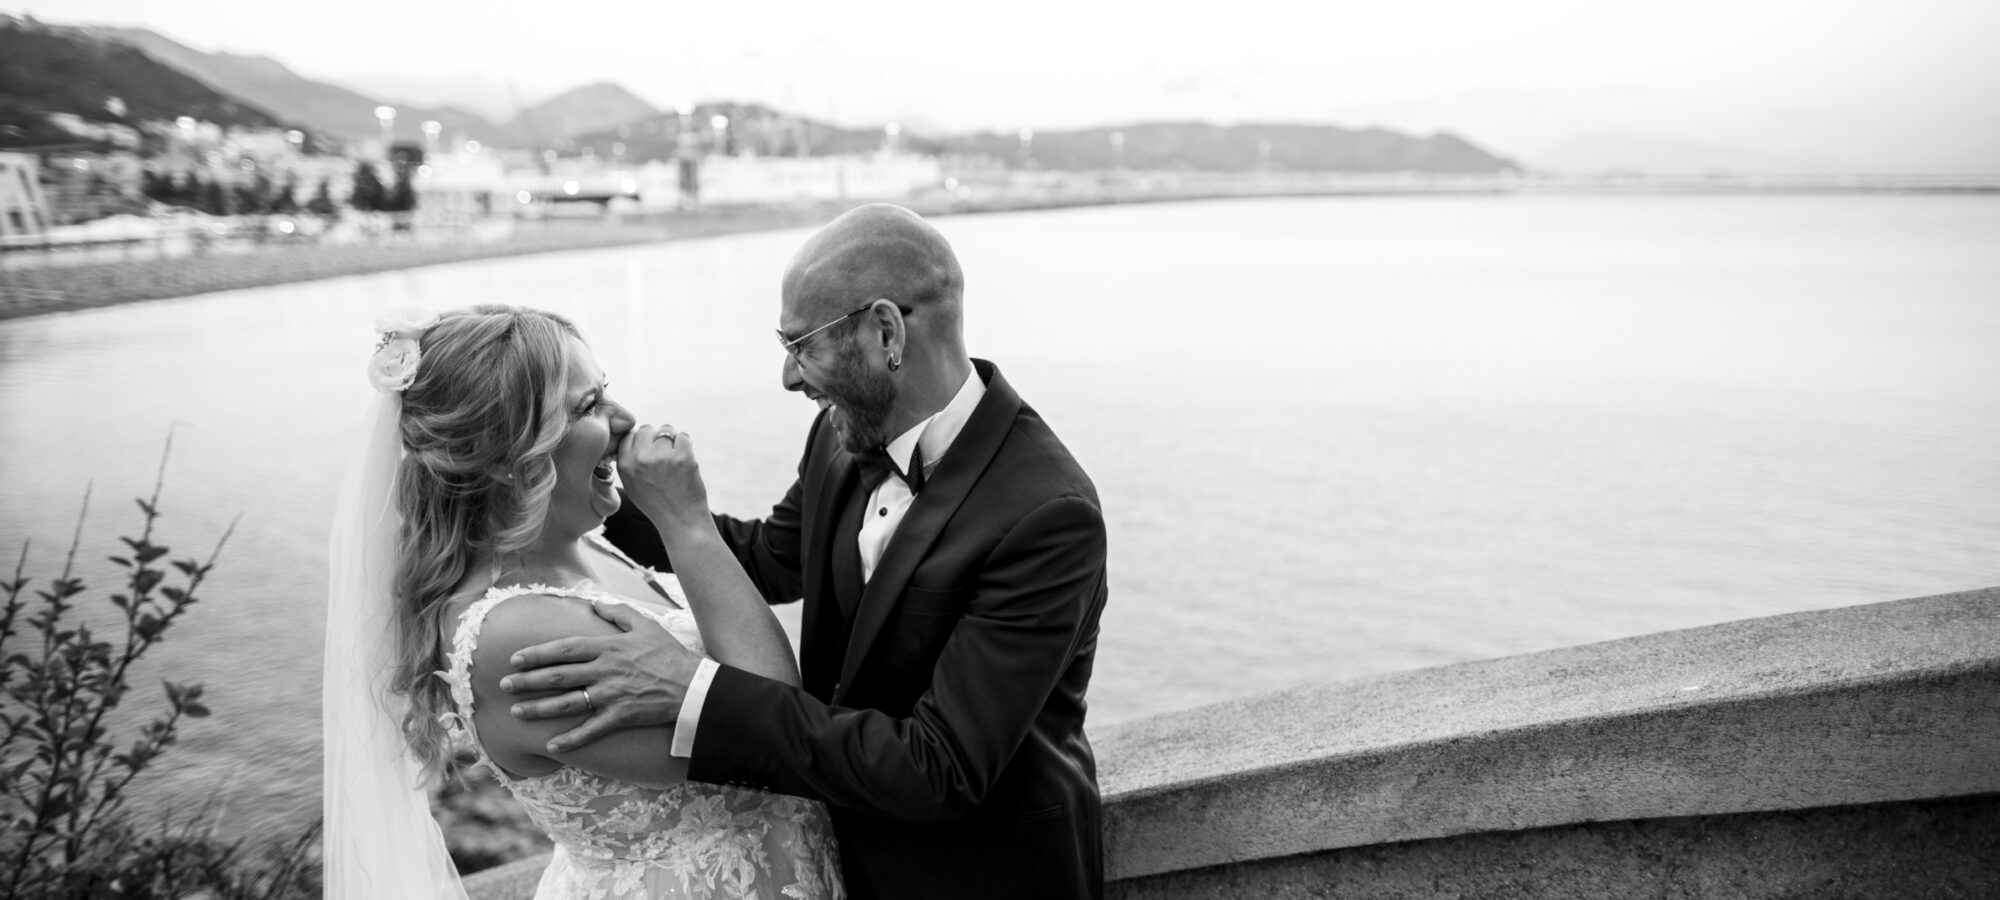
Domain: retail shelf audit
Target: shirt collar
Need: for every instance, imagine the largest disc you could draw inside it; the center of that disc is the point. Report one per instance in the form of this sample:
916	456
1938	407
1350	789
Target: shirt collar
937	433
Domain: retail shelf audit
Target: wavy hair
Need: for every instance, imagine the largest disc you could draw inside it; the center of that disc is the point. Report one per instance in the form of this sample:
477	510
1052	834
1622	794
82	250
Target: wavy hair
489	397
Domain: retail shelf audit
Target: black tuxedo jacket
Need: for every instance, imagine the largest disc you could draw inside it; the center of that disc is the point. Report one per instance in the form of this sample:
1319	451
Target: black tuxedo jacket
942	709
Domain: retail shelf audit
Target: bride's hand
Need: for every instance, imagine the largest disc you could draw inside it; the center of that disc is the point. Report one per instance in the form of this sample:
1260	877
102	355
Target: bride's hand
661	476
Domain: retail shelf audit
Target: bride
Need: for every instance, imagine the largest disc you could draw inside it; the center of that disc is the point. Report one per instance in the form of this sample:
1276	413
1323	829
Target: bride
467	530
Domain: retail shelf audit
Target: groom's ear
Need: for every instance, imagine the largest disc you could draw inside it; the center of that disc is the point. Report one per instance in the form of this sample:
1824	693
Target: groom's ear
885	323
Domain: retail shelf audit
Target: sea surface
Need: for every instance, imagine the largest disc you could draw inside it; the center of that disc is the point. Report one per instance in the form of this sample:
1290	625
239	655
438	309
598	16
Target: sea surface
1333	437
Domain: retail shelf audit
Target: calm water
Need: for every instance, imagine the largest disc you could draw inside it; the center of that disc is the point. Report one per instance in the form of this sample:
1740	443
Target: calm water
1333	437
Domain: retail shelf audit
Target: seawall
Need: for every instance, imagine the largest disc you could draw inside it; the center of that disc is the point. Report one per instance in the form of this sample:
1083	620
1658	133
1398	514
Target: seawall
1851	752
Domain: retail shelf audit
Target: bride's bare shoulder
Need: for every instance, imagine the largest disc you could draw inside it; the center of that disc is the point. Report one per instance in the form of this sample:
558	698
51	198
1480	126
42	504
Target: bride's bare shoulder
530	617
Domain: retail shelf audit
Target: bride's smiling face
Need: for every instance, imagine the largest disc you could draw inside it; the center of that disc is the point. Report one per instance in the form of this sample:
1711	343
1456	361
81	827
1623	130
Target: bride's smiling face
586	460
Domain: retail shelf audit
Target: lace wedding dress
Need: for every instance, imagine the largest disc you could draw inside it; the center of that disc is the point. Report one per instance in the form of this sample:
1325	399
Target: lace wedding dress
617	840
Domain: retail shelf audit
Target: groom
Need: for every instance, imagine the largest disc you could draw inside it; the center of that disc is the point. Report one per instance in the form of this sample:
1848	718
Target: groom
951	555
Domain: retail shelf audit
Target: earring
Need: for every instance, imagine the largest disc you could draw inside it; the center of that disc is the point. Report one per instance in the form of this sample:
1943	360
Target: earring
895	364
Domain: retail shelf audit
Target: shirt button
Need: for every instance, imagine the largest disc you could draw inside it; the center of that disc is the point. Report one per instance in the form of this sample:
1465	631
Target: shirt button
883	511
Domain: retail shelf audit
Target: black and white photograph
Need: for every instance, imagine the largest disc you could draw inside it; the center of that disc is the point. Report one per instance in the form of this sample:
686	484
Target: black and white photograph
797	451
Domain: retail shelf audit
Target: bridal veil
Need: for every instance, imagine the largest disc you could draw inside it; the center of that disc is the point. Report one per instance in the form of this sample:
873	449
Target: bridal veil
381	840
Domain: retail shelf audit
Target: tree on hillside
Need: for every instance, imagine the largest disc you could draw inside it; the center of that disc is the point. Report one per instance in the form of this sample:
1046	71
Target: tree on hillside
284	200
404	197
255	197
368	195
157	186
215	199
321	203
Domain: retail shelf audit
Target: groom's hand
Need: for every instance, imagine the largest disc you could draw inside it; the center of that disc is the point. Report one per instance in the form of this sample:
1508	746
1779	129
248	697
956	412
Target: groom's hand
637	677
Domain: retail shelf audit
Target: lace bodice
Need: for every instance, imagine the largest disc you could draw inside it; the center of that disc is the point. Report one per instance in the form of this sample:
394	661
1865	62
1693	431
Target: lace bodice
619	839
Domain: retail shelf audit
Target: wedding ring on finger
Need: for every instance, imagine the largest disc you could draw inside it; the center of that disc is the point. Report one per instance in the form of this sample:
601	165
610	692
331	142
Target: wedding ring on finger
665	432
588	704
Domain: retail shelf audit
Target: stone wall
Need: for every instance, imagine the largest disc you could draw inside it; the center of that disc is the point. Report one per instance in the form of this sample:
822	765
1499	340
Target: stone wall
1847	752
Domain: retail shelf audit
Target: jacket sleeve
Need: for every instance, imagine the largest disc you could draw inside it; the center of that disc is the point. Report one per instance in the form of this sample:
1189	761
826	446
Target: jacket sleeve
1034	601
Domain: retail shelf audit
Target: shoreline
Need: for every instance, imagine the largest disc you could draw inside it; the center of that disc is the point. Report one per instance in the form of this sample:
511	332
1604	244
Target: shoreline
33	290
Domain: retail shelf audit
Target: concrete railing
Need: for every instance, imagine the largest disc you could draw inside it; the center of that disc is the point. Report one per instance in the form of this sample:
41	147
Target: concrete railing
1846	752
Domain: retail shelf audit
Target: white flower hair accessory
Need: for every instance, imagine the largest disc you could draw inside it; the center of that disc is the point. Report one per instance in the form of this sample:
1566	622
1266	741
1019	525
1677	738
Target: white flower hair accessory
394	366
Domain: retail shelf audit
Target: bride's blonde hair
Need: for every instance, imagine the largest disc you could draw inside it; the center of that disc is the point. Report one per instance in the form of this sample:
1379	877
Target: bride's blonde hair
479	426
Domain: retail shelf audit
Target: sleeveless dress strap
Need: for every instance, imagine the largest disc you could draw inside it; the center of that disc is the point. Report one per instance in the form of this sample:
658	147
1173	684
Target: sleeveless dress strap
673	598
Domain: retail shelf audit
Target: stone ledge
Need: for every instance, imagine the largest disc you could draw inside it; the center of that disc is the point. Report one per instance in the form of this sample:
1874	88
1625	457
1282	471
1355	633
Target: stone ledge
1867	704
514	881
1926	848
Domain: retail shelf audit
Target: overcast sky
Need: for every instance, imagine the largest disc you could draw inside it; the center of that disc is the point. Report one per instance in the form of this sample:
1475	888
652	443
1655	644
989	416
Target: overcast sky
1865	85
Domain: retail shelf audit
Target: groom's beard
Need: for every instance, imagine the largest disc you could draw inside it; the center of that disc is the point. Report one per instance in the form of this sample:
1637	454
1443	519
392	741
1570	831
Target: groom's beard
862	399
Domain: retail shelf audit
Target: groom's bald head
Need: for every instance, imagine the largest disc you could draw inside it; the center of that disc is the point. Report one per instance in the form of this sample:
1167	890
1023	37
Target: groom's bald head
881	251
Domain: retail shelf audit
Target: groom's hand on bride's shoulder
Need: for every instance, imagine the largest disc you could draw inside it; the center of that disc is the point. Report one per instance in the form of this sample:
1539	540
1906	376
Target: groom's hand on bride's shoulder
637	677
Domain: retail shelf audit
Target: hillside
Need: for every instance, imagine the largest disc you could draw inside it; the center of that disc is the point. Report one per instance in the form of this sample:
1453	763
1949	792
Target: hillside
72	71
593	107
52	69
1204	147
318	106
1195	146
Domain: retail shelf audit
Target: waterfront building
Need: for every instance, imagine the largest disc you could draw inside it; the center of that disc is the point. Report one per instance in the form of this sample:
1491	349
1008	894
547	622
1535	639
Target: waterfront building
24	212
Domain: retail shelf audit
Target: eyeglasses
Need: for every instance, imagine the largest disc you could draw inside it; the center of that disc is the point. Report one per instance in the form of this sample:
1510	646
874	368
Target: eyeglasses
794	345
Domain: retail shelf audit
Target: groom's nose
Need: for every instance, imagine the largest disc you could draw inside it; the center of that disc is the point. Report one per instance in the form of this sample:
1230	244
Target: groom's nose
789	374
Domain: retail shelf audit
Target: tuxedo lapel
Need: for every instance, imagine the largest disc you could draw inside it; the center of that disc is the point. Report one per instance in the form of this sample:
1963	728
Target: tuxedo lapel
829	483
944	491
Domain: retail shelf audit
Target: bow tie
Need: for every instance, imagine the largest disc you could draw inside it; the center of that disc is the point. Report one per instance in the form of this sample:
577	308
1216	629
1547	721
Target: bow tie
876	467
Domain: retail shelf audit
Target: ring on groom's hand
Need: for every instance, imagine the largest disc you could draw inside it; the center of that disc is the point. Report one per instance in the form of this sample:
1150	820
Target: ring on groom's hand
588	704
664	432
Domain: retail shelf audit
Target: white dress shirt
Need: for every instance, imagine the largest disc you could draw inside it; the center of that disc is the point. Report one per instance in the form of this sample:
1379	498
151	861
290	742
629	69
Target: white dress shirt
886	508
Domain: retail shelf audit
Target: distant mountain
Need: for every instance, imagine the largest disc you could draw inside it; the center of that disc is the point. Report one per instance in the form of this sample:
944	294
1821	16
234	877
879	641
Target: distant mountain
611	120
1148	145
1237	148
317	105
593	107
57	69
492	98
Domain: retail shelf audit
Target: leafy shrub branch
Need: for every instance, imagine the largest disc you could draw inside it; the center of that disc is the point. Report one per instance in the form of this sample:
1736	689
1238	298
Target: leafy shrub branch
64	779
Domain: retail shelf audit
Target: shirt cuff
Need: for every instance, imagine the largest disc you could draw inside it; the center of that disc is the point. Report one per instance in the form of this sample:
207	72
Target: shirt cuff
691	709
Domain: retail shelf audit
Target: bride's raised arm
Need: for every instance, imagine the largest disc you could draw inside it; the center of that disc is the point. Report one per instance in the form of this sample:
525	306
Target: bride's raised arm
661	477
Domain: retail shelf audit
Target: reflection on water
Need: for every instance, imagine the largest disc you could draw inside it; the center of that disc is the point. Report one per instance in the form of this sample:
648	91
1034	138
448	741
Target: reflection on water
1333	437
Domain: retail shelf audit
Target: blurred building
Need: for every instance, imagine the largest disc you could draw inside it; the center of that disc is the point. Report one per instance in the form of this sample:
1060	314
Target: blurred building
24	212
754	179
82	186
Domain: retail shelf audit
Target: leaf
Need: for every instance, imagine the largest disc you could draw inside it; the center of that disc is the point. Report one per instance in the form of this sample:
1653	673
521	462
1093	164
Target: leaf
146	507
187	566
152	552
195	711
121	561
